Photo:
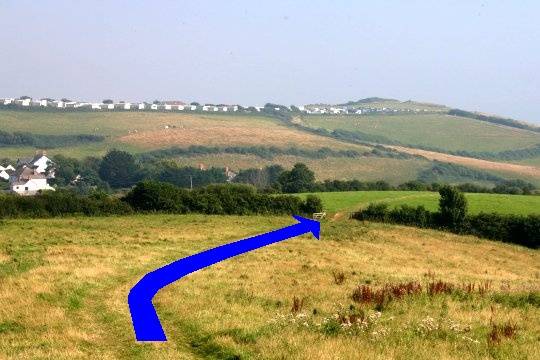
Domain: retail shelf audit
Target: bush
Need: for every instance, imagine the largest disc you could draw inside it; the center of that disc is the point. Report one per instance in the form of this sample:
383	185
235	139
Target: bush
232	199
452	215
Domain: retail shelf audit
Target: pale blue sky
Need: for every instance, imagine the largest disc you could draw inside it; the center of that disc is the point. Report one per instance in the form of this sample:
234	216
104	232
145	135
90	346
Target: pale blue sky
476	55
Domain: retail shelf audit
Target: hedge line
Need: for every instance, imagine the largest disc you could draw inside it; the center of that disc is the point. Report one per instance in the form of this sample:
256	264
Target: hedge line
152	196
521	230
45	141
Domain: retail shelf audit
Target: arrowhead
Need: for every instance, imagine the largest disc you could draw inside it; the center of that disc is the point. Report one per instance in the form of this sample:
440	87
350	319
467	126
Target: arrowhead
311	225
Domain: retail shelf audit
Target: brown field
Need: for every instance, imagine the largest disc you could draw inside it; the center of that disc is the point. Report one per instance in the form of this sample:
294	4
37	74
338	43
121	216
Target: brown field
526	170
394	171
234	131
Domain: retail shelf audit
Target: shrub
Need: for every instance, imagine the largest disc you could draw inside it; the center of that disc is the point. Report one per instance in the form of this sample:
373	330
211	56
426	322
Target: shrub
452	208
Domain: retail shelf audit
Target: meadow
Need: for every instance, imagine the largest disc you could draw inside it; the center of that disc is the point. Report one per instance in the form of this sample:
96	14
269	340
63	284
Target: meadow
499	203
64	285
440	131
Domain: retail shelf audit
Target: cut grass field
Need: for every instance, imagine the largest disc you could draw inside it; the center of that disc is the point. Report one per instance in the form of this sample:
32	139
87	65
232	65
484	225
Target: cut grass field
147	130
64	286
441	131
498	203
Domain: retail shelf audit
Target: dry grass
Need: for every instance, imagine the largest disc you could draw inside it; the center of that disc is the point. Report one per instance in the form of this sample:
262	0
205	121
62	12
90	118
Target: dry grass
527	170
64	290
229	131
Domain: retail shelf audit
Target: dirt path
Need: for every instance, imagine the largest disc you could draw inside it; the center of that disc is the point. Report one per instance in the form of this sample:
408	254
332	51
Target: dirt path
467	161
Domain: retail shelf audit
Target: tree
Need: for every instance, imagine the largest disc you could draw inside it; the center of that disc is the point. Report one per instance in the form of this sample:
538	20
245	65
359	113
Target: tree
452	207
299	179
107	101
194	103
118	168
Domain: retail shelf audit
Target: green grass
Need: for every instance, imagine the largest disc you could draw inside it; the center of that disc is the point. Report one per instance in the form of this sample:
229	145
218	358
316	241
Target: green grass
69	300
499	203
433	130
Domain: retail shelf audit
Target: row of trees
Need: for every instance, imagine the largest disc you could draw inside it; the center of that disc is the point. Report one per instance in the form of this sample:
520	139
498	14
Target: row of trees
152	196
119	169
453	216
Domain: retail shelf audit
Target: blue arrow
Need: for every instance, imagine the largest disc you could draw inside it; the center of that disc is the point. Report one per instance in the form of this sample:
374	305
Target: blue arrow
143	314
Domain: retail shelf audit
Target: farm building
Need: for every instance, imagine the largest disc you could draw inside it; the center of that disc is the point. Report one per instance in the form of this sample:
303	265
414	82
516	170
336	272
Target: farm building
40	162
28	181
5	172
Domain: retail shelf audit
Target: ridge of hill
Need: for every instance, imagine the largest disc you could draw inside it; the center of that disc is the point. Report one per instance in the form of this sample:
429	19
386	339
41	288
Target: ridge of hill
352	156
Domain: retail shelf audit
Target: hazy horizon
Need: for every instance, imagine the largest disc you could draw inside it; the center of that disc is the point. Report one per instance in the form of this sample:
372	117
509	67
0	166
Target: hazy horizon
475	55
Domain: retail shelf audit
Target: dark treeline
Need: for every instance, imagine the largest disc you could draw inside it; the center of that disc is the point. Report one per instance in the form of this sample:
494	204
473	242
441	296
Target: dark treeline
45	141
494	119
151	196
118	170
452	216
265	152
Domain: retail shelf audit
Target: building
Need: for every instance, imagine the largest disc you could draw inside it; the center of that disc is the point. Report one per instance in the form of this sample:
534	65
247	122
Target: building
40	162
229	174
5	172
141	106
28	181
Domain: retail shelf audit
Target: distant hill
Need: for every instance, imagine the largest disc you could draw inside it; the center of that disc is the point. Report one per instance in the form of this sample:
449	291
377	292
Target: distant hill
257	140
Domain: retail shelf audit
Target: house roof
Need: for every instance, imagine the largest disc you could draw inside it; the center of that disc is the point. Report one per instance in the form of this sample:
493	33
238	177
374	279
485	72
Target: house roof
23	174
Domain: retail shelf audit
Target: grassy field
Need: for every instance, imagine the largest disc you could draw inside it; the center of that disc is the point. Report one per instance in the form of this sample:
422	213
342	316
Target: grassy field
499	203
435	130
64	286
394	171
147	130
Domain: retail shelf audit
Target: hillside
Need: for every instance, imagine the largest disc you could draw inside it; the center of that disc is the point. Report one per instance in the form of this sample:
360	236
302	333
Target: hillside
141	132
436	131
75	275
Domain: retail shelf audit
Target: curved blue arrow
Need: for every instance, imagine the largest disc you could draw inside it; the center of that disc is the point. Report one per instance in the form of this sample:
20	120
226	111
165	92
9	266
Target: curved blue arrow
143	314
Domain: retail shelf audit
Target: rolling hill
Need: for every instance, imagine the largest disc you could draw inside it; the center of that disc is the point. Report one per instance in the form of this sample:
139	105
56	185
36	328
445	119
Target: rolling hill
412	136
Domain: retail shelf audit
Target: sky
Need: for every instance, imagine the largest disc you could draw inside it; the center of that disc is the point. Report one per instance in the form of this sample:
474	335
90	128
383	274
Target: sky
475	55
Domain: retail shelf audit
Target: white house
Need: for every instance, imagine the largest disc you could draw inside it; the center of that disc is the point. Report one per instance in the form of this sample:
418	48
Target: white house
141	106
225	109
193	107
180	107
6	171
40	162
26	102
154	107
4	175
27	181
43	102
127	106
216	108
205	108
96	106
168	107
8	101
59	104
